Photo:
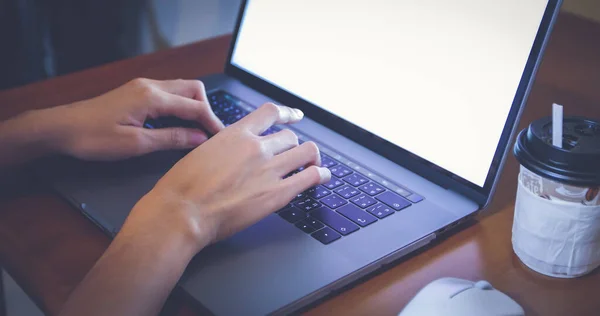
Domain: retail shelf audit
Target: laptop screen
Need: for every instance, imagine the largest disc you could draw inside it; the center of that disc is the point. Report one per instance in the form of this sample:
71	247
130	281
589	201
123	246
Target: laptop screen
434	77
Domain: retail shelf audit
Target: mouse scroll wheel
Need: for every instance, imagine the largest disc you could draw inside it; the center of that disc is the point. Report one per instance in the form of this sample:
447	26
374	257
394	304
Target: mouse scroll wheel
484	285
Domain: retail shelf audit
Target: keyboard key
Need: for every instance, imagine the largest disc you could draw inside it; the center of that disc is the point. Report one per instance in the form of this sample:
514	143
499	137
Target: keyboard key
381	210
317	192
170	121
307	204
333	183
289	205
227	109
293	215
347	191
403	192
353	166
327	162
393	200
333	201
356	179
305	227
363	201
340	171
357	215
300	196
372	188
314	223
415	198
293	173
334	220
326	235
270	131
150	124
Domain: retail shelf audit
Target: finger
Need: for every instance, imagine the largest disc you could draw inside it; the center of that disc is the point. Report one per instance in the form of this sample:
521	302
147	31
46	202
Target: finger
302	181
193	89
301	156
268	115
170	138
280	141
288	189
188	109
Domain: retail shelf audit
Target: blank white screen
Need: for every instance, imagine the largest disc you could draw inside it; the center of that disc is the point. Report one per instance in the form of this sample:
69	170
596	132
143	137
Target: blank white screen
435	77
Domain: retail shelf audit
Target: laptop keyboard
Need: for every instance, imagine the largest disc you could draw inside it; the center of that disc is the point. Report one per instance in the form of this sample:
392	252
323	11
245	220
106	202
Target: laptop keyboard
353	199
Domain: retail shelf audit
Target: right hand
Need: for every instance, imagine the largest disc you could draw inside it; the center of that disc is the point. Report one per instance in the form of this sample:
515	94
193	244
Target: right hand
232	181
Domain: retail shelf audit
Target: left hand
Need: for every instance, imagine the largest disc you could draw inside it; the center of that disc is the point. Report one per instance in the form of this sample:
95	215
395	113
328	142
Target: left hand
110	126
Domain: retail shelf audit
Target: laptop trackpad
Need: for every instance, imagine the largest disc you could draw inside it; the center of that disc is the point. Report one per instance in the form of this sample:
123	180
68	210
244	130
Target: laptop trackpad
106	192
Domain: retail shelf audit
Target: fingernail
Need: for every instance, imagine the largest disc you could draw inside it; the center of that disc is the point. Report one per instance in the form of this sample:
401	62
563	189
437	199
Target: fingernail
299	114
198	138
325	174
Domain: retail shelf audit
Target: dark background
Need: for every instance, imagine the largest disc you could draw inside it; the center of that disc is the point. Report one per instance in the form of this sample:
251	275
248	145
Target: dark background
40	39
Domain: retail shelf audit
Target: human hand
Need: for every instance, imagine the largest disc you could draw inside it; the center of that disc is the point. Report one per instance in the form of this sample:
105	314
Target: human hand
110	126
232	181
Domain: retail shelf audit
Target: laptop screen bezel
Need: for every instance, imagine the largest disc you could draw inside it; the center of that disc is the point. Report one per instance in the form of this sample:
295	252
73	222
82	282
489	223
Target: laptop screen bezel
395	153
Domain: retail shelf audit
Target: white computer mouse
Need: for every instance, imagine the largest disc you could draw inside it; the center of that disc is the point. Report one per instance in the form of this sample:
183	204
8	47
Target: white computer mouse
454	297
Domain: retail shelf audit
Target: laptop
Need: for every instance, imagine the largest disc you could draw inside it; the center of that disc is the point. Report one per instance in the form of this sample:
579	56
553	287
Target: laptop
413	105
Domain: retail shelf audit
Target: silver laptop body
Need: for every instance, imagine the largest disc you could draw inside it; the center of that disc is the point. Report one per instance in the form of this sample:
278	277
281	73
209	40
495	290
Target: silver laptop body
274	267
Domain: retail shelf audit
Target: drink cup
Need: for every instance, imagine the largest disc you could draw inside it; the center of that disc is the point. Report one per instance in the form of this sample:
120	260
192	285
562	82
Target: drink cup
556	228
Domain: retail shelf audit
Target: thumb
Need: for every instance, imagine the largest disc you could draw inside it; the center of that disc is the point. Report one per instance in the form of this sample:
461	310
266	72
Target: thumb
172	138
188	109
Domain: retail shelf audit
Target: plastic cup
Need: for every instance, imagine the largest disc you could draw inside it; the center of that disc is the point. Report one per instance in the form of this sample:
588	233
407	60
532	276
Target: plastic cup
556	228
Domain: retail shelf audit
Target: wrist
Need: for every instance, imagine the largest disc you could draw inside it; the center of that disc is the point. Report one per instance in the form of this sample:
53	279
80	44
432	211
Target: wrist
58	128
168	214
32	134
46	129
170	244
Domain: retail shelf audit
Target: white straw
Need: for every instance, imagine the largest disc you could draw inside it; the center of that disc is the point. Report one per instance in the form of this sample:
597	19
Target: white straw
557	125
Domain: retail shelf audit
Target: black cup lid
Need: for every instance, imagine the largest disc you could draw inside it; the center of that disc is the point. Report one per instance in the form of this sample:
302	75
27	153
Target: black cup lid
577	163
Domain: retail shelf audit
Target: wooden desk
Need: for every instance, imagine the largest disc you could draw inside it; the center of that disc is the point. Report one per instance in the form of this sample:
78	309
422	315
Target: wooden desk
48	247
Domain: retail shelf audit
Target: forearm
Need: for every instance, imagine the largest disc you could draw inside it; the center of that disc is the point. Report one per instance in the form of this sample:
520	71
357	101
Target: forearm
28	136
133	277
